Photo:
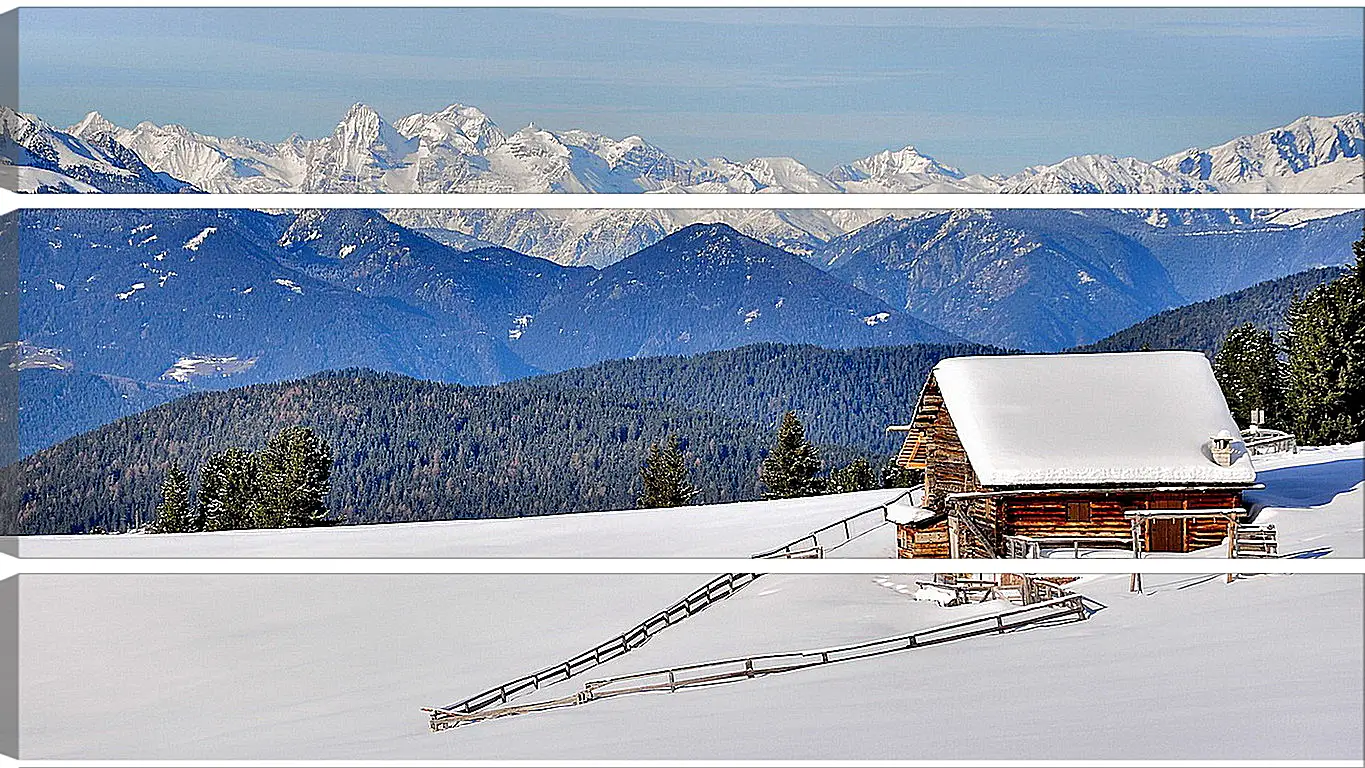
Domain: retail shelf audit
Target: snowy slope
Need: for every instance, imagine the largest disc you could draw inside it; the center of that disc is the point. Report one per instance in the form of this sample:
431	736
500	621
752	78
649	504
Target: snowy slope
46	159
277	667
714	530
319	667
337	667
1311	154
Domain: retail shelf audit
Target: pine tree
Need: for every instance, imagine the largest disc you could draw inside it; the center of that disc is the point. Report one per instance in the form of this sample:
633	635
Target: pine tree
1249	371
1325	342
896	476
173	512
295	478
790	468
229	490
664	474
857	475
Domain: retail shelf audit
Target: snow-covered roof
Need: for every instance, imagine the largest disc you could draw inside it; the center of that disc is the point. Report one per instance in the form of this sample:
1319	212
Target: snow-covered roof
1091	419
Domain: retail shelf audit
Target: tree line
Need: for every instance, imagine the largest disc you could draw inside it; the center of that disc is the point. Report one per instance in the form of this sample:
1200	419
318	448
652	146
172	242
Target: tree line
1310	380
407	450
1203	325
790	470
284	485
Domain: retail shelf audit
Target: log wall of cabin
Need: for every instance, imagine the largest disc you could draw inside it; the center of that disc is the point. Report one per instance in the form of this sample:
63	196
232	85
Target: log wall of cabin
984	537
922	541
1046	515
948	471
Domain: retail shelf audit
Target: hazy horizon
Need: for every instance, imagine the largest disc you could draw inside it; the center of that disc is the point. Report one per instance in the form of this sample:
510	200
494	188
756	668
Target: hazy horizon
986	90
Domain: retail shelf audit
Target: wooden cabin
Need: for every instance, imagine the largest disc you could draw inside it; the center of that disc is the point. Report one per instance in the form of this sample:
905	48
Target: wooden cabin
1023	454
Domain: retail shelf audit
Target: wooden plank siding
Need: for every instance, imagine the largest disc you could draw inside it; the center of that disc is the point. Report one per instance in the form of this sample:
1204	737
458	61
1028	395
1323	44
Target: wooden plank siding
923	541
1047	515
914	451
948	471
1051	515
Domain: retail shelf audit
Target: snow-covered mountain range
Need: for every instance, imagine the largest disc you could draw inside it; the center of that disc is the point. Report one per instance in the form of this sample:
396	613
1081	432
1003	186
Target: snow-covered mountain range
460	149
123	309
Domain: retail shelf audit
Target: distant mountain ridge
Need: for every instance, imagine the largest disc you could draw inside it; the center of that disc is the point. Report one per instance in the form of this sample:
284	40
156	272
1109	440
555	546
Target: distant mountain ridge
120	308
41	158
459	149
1045	280
1030	279
198	295
709	287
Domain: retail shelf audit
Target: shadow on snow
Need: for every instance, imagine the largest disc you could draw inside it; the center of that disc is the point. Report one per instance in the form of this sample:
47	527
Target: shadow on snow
1309	485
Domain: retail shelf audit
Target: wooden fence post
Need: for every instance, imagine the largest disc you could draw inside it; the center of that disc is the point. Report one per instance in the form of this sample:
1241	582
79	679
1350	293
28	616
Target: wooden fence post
1135	580
1232	542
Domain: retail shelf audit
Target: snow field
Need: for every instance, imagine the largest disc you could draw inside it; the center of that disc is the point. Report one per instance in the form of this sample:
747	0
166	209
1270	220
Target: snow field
714	530
338	667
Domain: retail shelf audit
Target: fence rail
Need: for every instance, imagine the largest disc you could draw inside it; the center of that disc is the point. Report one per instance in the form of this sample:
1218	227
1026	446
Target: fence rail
836	534
1032	546
1037	590
1264	441
698	600
812	545
1255	541
1069	607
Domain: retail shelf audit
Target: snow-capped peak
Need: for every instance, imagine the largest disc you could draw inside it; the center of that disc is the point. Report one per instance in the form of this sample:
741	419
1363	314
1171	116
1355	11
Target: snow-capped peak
1311	154
891	163
1102	174
904	170
787	174
464	127
363	137
94	125
50	159
361	120
533	141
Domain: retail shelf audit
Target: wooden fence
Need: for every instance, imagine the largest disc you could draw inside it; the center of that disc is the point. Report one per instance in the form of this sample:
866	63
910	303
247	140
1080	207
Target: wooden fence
1255	541
1037	590
1262	441
814	544
836	534
1071	607
714	590
1033	546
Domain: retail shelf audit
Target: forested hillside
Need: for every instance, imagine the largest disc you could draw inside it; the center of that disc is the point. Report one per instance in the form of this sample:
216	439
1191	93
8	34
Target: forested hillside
55	405
844	397
1202	326
407	449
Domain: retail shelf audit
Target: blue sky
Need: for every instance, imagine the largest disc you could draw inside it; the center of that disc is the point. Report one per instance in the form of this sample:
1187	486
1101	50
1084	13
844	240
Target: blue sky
988	90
